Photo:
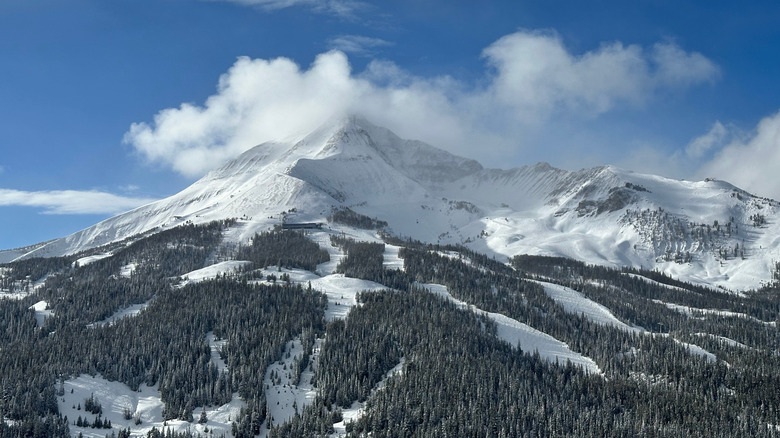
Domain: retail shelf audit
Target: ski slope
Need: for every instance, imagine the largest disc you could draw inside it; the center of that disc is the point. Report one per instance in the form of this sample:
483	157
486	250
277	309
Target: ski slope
575	302
521	335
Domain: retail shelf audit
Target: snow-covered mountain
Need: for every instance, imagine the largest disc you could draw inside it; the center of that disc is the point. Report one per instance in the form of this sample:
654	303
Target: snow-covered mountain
708	232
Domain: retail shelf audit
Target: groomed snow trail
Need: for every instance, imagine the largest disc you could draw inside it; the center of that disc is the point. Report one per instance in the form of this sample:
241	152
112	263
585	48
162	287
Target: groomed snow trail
527	338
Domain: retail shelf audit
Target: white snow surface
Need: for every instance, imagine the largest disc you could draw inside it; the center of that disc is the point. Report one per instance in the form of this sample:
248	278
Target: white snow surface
41	312
84	261
17	295
284	396
698	351
213	271
391	258
21	288
216	349
575	302
342	293
603	215
127	270
115	397
127	312
527	338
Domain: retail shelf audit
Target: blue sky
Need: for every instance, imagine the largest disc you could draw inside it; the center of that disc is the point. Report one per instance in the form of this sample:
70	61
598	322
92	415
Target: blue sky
107	104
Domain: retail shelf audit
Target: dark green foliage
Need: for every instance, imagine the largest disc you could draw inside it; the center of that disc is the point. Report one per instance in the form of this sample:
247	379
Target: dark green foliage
347	216
167	433
95	291
457	378
764	307
421	401
285	248
165	344
92	405
364	260
31	270
38	427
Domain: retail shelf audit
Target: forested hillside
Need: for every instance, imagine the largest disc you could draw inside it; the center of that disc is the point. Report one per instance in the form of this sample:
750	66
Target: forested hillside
670	359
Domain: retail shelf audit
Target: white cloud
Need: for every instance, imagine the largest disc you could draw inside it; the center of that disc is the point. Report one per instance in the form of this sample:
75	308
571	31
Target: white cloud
751	164
341	8
357	44
712	140
129	188
678	68
536	74
532	78
71	201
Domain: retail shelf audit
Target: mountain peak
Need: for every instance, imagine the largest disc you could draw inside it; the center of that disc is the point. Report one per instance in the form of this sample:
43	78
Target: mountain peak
602	215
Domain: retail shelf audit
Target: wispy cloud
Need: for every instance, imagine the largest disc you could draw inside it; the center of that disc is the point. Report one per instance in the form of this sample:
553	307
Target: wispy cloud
531	82
346	9
358	44
129	188
714	139
71	201
751	162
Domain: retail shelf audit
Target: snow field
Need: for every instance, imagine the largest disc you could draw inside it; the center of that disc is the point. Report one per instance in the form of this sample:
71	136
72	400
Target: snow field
22	289
116	397
391	258
322	238
216	350
342	293
284	396
127	312
213	271
41	312
84	261
127	270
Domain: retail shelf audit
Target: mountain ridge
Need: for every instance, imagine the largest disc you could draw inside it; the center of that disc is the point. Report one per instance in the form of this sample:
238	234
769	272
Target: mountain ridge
600	215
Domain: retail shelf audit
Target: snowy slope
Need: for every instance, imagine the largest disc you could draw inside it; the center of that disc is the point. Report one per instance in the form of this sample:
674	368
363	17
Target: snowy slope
575	302
521	335
707	232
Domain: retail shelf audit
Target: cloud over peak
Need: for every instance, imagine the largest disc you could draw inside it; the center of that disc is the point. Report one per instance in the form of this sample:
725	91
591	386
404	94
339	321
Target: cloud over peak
751	163
531	77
